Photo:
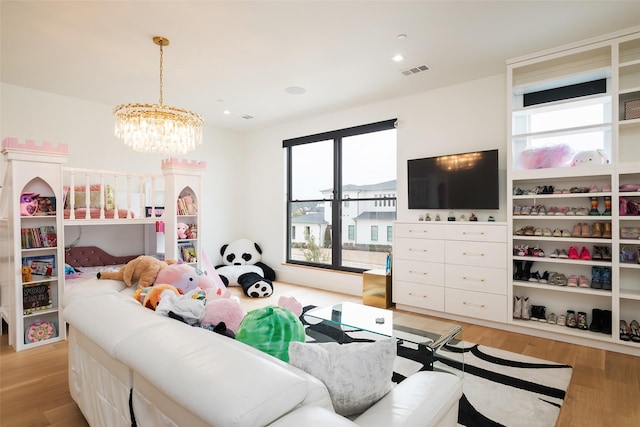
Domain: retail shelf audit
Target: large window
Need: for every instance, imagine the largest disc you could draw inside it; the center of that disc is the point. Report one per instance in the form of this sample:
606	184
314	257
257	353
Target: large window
341	185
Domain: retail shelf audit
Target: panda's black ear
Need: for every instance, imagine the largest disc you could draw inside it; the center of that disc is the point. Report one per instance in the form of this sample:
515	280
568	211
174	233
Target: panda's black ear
258	248
223	248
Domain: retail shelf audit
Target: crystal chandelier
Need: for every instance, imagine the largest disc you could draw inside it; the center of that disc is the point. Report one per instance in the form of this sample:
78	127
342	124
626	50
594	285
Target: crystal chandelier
158	128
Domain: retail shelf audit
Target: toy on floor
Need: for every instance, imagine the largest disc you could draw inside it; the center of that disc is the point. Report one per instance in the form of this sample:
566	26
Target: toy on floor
142	270
243	266
223	310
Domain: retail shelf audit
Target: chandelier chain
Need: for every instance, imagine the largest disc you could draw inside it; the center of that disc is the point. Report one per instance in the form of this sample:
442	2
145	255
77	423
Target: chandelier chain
161	70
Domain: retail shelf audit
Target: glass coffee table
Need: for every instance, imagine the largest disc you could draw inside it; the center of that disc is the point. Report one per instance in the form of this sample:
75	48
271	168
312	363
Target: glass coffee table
427	333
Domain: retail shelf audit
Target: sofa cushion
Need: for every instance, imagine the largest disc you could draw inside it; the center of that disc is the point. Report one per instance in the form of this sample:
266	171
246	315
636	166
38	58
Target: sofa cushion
201	371
356	374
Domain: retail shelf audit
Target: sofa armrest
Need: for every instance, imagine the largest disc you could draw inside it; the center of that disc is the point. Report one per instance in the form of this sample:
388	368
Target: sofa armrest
425	399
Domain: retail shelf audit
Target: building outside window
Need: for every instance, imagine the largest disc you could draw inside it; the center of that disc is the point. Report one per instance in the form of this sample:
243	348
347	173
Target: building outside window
340	185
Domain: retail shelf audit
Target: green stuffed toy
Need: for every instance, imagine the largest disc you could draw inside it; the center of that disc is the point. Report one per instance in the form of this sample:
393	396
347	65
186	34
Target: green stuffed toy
271	329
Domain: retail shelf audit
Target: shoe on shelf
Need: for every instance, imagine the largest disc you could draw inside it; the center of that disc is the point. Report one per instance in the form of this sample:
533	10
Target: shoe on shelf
635	331
535	277
625	331
583	282
563	254
606	322
526	308
542	210
517	308
606	233
566	233
572	322
572	281
559	279
582	320
596	277
596	320
517	270
562	320
525	210
597	252
518	191
552	210
526	272
584	254
551	318
586	230
573	253
557	233
582	212
554	254
572	211
562	211
544	278
547	232
606	278
593	189
597	229
577	230
606	188
606	253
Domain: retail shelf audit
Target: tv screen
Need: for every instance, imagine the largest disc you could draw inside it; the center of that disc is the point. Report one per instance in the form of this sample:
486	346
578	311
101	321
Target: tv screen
457	181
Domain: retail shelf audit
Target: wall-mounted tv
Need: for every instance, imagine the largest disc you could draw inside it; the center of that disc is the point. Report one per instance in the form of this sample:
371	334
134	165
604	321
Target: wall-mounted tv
458	181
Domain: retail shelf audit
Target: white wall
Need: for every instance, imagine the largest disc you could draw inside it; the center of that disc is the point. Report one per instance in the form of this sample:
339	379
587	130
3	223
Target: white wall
87	128
244	191
465	117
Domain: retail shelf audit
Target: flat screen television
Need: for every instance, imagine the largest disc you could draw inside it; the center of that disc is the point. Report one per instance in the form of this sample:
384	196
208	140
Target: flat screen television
459	181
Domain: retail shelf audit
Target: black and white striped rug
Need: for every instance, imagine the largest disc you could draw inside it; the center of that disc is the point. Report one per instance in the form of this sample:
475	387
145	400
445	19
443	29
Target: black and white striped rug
500	388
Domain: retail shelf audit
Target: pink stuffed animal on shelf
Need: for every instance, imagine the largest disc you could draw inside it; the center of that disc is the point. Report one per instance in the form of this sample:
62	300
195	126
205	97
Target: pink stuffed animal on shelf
558	156
183	230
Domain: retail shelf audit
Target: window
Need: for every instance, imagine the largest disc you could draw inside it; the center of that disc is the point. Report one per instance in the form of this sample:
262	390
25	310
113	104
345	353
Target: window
389	233
340	185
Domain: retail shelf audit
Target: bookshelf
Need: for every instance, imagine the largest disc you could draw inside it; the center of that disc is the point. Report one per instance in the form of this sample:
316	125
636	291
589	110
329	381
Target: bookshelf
183	185
30	222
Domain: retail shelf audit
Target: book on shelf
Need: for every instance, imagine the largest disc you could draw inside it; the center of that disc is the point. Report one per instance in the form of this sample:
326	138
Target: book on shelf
39	237
187	205
187	252
43	265
36	297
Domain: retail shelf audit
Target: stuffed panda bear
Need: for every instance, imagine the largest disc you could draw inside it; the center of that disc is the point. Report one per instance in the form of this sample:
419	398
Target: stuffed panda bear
242	266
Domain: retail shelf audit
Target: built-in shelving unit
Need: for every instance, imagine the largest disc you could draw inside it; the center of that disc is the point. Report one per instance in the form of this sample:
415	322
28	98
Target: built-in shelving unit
605	121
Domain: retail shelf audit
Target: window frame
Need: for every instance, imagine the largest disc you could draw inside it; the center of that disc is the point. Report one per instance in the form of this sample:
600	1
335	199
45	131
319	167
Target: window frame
336	201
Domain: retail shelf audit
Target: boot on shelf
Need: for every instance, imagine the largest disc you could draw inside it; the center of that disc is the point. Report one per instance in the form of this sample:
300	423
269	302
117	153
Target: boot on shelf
526	308
526	273
607	206
596	320
606	322
517	270
606	233
517	307
596	277
594	207
606	278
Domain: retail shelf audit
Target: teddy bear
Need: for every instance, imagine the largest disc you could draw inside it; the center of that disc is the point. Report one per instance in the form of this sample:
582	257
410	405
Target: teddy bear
243	266
590	158
143	270
26	274
183	230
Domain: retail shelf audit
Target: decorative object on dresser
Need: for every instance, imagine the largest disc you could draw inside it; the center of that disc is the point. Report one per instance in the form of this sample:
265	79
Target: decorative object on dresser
158	128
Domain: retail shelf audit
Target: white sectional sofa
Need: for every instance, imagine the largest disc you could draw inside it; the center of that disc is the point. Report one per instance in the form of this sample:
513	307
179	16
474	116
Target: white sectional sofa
127	363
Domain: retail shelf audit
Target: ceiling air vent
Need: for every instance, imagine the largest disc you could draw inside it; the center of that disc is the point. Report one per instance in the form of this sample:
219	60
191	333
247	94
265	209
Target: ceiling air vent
247	117
414	70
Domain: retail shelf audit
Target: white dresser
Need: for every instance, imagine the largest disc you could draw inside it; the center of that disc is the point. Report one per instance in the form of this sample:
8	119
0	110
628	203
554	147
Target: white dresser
453	267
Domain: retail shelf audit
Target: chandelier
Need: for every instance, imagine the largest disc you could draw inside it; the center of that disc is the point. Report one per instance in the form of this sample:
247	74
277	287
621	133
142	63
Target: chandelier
158	128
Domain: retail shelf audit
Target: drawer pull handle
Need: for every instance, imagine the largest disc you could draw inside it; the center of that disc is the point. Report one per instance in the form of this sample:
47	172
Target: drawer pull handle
472	254
473	305
473	233
421	296
418	272
417	231
473	279
417	250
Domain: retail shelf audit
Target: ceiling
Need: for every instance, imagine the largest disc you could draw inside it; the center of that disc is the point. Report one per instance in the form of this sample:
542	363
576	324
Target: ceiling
240	56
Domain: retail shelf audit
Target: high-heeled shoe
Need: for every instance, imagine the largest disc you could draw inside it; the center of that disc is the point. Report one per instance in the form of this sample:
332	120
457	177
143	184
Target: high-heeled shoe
635	331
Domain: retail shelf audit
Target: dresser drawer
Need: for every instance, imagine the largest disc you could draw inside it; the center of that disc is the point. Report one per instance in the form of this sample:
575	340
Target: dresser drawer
479	254
421	230
416	295
428	273
480	279
476	304
478	233
418	250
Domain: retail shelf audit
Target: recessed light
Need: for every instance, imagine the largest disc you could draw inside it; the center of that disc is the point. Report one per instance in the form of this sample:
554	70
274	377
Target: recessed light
295	90
226	112
397	58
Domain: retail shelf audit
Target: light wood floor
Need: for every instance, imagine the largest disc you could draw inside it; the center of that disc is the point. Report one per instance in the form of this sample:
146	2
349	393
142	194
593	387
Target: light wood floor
604	389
